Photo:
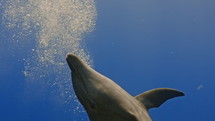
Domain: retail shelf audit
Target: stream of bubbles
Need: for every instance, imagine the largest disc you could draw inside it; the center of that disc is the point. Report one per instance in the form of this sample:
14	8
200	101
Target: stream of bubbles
58	27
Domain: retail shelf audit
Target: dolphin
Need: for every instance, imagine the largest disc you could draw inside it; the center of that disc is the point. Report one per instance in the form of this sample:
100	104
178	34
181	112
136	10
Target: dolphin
104	100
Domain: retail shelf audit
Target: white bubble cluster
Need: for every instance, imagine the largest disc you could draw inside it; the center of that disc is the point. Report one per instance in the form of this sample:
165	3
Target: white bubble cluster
58	27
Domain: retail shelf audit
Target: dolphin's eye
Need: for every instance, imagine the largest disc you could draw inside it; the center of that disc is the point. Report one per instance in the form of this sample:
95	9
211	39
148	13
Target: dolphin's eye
93	106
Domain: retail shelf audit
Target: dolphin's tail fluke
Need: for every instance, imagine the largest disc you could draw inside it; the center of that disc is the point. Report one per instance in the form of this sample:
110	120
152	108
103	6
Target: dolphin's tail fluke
155	97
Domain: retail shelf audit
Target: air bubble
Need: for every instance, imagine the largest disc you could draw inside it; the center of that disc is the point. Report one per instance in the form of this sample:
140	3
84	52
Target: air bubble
57	27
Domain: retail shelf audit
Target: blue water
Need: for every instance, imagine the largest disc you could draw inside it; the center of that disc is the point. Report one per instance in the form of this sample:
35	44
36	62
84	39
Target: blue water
141	45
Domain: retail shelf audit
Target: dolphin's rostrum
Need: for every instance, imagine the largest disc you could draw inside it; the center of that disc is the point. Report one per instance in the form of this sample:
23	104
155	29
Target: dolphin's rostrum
104	100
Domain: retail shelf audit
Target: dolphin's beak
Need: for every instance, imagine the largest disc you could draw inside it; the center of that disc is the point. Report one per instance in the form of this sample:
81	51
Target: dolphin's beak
72	60
75	63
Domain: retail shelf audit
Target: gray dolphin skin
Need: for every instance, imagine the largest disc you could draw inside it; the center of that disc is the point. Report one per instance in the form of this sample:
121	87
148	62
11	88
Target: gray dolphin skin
104	100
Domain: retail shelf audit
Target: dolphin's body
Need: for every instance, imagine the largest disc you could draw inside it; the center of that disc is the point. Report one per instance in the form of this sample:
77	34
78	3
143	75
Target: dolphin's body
104	100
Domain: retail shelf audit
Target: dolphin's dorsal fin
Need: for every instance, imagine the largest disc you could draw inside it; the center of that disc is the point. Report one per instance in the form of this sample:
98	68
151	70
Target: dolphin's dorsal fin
155	97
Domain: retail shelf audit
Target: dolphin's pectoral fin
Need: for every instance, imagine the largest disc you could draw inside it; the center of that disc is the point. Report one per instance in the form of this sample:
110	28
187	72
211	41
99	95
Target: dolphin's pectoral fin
155	97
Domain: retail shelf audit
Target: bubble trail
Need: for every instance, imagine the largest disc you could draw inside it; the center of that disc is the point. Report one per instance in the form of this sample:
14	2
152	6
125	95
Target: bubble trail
58	27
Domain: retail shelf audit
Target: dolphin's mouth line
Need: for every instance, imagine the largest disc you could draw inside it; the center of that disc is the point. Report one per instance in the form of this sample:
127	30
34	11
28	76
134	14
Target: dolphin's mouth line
84	94
80	81
80	76
90	103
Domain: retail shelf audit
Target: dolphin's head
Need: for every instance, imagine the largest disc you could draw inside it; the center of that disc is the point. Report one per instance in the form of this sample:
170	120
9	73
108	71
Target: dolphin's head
85	81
